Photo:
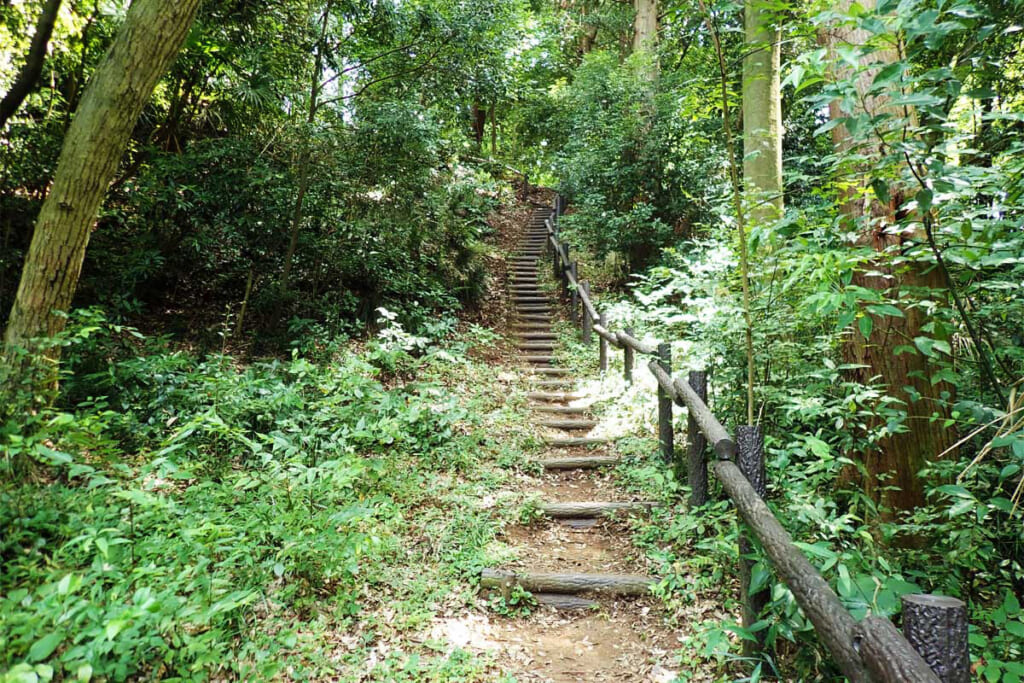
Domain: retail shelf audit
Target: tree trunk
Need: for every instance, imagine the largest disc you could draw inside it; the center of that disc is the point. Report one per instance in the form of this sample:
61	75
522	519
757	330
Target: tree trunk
762	115
33	68
645	25
143	49
303	164
892	466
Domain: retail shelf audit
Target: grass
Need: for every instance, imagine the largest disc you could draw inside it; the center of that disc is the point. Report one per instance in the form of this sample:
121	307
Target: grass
188	518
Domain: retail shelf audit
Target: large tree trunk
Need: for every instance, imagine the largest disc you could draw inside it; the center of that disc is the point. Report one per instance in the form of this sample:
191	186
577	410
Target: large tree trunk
645	26
762	115
891	467
145	46
33	68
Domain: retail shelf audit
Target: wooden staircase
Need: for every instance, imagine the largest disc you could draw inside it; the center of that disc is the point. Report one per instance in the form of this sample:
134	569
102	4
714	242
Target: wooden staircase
565	427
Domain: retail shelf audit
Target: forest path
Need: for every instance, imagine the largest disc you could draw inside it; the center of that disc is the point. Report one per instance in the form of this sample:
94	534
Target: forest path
596	620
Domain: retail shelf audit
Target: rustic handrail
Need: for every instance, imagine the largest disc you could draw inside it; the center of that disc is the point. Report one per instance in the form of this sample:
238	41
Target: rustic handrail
871	650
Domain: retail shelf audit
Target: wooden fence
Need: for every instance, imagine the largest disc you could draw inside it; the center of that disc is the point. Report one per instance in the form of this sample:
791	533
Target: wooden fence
933	645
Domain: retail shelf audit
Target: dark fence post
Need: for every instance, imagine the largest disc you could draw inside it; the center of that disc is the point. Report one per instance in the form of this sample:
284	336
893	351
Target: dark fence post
750	460
936	626
588	322
627	358
574	301
665	435
697	468
603	353
565	270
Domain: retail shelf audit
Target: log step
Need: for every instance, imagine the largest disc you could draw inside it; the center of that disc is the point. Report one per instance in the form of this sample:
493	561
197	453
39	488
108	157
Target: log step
568	584
568	424
593	510
550	371
550	336
535	318
540	360
553	396
583	462
536	346
564	442
560	410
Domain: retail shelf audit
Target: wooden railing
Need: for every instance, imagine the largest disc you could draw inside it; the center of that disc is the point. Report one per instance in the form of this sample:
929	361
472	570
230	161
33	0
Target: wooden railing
933	645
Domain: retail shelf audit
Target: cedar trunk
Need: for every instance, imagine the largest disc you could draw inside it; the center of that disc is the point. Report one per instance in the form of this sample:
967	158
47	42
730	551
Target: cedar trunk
892	466
145	46
762	115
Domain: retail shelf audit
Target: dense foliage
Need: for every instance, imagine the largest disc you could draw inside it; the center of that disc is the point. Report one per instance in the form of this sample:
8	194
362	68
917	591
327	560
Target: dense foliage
302	209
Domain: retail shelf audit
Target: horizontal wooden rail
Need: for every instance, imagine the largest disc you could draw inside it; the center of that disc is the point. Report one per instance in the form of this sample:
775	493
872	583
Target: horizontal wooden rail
872	650
635	344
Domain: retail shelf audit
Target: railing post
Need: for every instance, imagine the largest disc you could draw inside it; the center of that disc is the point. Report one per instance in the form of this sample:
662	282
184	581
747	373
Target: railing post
603	353
574	301
627	358
665	436
697	468
936	626
750	460
588	322
565	270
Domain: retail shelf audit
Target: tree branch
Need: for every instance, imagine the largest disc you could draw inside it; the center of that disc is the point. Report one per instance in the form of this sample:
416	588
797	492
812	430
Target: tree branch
30	72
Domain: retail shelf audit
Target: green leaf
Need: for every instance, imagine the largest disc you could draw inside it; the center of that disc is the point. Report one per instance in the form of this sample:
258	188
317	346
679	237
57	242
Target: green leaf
45	646
924	199
865	324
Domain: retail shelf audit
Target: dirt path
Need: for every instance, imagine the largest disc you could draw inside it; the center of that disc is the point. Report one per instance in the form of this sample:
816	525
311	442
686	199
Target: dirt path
614	637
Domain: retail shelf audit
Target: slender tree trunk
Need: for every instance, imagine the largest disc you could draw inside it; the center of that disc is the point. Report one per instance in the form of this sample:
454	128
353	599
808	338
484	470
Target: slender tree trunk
494	130
304	161
143	49
33	68
762	115
892	466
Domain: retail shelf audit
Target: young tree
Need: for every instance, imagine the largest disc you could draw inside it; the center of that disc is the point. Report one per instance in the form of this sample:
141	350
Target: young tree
762	114
143	49
33	68
892	468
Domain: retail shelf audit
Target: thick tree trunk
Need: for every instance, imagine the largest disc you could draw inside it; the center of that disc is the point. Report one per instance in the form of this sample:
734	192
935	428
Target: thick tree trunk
645	25
145	46
33	68
892	466
762	115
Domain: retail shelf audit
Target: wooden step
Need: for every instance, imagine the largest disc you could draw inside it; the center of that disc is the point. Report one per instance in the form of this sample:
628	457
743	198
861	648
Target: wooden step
532	328
590	510
536	346
568	584
568	424
532	300
539	359
544	318
550	371
554	383
560	410
553	396
583	462
528	336
568	442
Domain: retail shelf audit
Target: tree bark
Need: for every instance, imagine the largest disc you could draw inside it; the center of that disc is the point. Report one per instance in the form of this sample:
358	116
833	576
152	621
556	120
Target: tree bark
762	115
143	49
33	68
892	467
645	25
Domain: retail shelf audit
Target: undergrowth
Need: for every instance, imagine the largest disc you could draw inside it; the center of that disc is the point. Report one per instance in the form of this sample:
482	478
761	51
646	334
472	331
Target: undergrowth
179	517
